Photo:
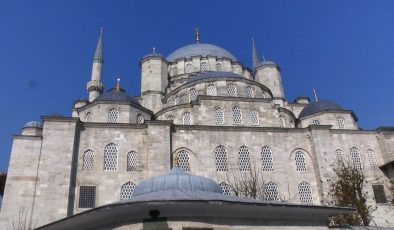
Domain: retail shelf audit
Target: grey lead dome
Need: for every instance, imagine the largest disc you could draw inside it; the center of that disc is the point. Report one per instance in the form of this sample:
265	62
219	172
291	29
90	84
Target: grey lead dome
33	124
319	106
200	49
177	179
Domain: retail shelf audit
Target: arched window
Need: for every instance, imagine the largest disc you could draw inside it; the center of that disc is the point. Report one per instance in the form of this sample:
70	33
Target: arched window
372	159
305	192
132	161
250	91
170	117
140	119
176	100
221	158
174	71
219	116
126	192
266	159
340	122
244	159
339	154
356	158
271	192
192	95
231	90
219	67
189	68
211	90
111	157
88	117
204	66
226	189
237	116
88	160
113	116
282	121
254	116
315	122
182	160
186	118
300	161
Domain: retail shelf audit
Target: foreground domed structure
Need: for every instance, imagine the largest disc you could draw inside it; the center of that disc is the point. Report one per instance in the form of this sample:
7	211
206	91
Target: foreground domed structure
208	117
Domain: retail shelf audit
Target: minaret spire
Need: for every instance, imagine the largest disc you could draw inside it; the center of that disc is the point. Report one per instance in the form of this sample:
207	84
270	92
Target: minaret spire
255	56
315	94
95	86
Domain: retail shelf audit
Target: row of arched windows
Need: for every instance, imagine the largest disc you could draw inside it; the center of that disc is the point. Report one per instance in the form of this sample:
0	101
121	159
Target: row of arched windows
182	159
339	120
204	66
237	116
355	158
113	117
110	159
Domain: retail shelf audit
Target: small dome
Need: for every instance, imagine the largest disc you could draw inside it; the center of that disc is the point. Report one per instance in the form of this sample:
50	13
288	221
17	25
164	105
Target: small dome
200	49
33	124
152	55
319	106
116	95
267	63
177	179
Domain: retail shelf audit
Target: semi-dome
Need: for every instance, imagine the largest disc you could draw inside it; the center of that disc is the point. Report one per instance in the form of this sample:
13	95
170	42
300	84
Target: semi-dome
200	49
33	124
116	94
177	180
319	106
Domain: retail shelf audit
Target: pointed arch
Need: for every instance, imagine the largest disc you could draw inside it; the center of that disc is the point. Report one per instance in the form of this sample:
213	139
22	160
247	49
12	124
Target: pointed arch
305	192
267	159
127	190
271	192
221	158
111	157
244	159
88	160
356	158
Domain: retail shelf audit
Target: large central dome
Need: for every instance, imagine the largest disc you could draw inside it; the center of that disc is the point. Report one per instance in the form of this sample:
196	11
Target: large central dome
200	49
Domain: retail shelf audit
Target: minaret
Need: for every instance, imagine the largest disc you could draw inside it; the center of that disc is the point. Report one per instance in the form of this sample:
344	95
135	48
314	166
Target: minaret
95	86
255	56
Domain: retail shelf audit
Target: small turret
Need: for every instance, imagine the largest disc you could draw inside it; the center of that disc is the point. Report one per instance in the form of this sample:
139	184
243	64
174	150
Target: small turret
95	86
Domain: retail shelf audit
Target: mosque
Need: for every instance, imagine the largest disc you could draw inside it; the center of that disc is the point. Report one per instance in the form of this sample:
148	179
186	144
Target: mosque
160	160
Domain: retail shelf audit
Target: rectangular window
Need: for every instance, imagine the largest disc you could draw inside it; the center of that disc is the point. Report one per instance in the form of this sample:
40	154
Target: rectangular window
87	196
378	192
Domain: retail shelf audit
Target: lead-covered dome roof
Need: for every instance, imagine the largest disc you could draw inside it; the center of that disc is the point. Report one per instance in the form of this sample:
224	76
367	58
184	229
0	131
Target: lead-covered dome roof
177	180
33	124
200	49
319	106
116	94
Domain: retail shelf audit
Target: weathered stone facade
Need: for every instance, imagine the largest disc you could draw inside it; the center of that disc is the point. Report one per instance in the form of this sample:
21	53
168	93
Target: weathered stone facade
189	105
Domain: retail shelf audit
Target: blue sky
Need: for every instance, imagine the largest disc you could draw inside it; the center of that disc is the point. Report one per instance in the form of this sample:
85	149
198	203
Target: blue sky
344	49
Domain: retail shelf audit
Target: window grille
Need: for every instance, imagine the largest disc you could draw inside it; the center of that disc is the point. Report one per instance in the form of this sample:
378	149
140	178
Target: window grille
126	191
305	192
132	161
372	159
254	116
192	94
271	192
315	122
87	196
174	71
211	90
282	121
221	158
113	116
378	192
237	116
356	158
267	159
219	67
250	91
176	100
300	161
88	160
88	117
204	66
186	118
111	157
340	122
219	116
140	119
188	68
231	90
182	160
244	159
339	154
226	189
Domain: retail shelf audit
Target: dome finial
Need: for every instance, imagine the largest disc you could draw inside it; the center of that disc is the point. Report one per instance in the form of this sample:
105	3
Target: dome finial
197	29
118	84
315	94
